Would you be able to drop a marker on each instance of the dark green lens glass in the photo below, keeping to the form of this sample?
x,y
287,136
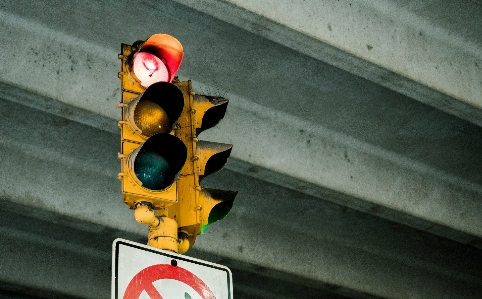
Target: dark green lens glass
x,y
153,170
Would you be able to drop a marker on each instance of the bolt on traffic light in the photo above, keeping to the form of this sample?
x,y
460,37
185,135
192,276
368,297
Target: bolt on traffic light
x,y
162,159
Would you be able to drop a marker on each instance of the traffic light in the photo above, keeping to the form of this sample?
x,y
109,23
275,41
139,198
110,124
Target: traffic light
x,y
162,159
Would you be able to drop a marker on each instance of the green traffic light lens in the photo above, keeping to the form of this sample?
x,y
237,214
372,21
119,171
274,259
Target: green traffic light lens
x,y
203,228
153,170
158,161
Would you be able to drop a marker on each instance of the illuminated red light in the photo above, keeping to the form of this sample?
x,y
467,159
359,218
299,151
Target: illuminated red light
x,y
158,60
149,69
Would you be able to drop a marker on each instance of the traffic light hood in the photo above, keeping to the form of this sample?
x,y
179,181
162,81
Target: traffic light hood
x,y
212,110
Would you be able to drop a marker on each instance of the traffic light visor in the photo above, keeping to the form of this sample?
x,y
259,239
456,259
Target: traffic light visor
x,y
213,156
157,163
158,59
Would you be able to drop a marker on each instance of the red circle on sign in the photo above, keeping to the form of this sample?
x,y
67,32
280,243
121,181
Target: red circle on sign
x,y
143,280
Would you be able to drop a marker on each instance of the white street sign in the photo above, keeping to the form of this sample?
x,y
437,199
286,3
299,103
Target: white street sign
x,y
144,272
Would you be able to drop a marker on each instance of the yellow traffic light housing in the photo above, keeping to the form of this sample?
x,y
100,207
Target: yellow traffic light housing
x,y
162,160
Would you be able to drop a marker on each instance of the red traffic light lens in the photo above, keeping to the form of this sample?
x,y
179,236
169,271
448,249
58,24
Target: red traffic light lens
x,y
149,69
158,59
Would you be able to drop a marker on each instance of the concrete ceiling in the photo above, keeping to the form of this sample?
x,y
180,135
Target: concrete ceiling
x,y
356,129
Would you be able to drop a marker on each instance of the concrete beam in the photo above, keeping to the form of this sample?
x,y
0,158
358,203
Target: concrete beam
x,y
390,163
60,201
309,132
62,172
429,50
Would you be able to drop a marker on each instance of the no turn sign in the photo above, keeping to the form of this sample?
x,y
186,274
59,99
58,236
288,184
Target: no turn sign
x,y
143,272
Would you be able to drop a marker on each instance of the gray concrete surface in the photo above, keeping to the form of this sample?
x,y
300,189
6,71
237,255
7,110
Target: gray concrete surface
x,y
61,210
356,132
406,46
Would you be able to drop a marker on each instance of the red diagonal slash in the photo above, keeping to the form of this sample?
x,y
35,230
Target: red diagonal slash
x,y
143,280
151,291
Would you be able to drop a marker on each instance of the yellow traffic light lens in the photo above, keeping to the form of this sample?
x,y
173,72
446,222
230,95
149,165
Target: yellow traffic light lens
x,y
150,118
149,69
